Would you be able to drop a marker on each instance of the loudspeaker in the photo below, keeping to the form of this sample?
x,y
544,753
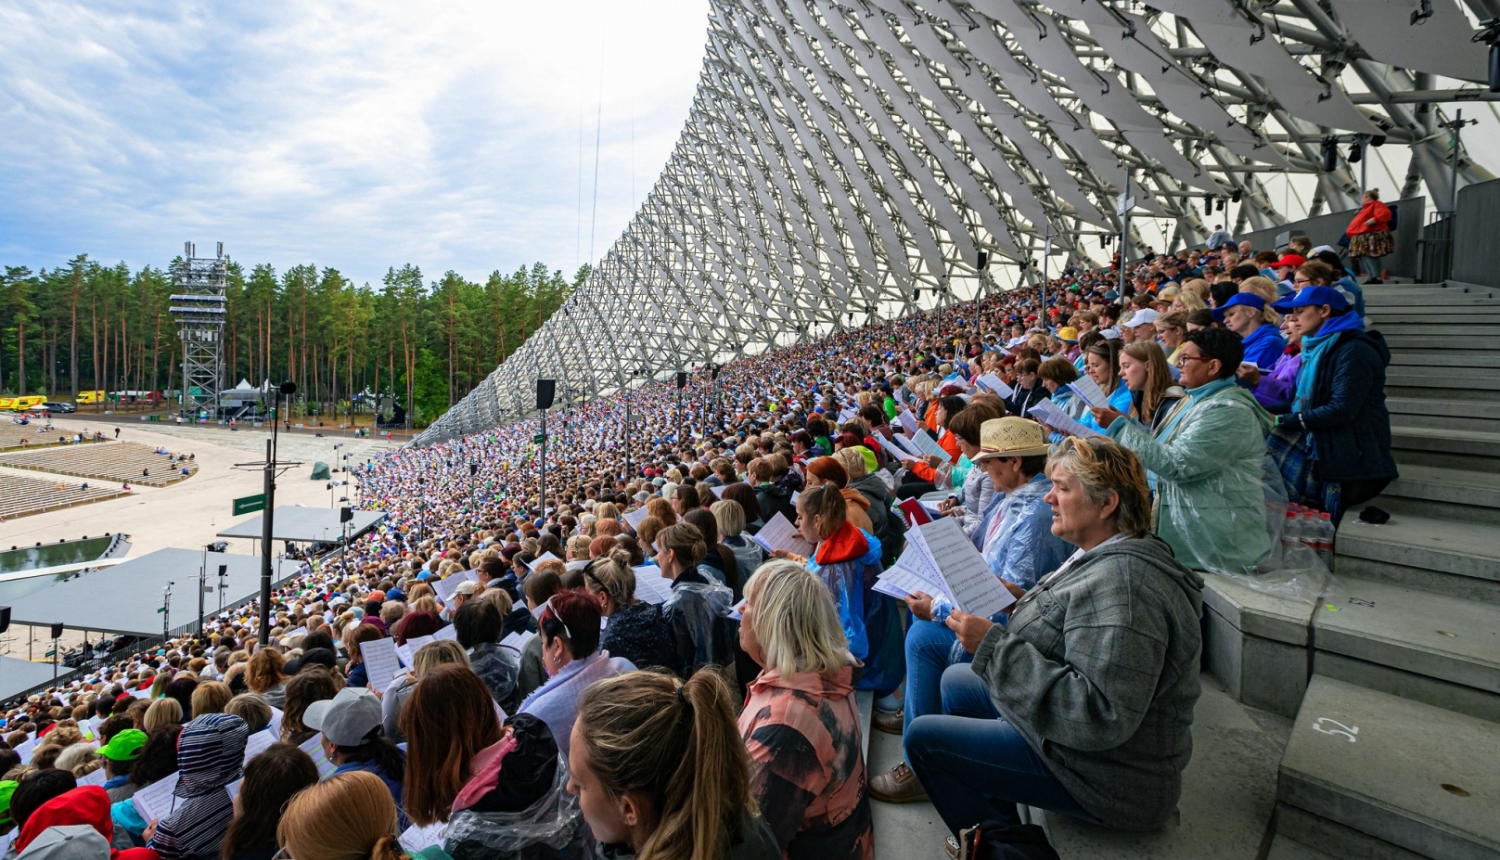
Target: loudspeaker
x,y
681,379
57,630
4,618
346,514
984,259
223,570
546,390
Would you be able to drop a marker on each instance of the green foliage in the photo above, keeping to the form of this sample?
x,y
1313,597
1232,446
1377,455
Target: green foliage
x,y
86,326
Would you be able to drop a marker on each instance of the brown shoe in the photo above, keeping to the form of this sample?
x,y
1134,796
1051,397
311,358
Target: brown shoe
x,y
889,722
898,786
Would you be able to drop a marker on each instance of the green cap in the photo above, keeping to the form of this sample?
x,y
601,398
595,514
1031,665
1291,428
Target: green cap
x,y
125,746
7,788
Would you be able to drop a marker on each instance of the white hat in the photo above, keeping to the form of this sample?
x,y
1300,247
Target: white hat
x,y
1146,316
347,719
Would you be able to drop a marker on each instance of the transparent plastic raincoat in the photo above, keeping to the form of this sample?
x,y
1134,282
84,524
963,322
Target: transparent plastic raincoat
x,y
1208,456
698,613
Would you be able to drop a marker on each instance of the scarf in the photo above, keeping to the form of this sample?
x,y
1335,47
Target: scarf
x,y
1314,347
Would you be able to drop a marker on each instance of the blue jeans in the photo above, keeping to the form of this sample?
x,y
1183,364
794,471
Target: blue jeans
x,y
976,766
930,649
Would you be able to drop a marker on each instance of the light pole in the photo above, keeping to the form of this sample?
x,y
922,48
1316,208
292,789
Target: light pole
x,y
287,388
166,611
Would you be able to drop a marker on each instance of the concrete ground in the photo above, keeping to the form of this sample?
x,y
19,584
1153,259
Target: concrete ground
x,y
187,514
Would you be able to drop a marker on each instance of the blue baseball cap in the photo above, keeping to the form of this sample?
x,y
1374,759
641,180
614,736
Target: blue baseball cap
x,y
1316,296
1241,299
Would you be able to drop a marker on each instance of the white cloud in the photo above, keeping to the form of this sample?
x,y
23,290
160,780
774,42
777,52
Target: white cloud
x,y
358,136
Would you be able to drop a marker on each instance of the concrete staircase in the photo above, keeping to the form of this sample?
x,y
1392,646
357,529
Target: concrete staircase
x,y
1395,746
1373,710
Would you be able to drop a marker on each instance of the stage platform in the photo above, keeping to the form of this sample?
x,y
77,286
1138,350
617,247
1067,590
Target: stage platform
x,y
18,676
298,523
127,598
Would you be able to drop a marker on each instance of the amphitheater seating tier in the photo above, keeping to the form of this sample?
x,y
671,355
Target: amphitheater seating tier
x,y
21,497
111,461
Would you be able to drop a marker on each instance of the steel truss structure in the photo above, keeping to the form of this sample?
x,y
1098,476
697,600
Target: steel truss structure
x,y
200,307
844,159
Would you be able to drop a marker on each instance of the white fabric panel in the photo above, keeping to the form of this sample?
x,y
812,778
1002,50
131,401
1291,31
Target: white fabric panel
x,y
1440,44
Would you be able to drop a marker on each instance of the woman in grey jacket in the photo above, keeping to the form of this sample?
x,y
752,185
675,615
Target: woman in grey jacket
x,y
1083,702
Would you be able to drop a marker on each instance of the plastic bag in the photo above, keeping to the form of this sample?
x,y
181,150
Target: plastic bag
x,y
553,827
704,634
1287,567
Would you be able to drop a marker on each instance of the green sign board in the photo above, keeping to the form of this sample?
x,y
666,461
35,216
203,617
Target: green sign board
x,y
249,504
539,438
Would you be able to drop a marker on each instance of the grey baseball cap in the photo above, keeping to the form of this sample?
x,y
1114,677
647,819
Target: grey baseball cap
x,y
68,842
347,719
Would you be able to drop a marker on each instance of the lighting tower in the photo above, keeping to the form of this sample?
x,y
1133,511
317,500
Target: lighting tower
x,y
199,305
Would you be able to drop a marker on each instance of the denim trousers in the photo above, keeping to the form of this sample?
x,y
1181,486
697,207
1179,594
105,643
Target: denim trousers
x,y
974,765
930,649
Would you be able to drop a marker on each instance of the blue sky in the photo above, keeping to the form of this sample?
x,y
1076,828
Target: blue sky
x,y
357,136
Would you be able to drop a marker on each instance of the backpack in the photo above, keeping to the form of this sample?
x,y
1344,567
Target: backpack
x,y
993,840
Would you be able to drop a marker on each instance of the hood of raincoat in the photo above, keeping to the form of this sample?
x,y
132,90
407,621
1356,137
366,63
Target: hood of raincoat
x,y
88,804
210,752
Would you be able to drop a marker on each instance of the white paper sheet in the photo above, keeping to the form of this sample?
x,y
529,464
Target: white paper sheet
x,y
719,491
257,743
546,556
408,652
233,789
996,384
1089,390
892,448
780,534
908,421
636,517
517,640
650,585
448,632
381,662
155,801
314,748
96,777
1061,421
417,838
929,445
274,726
975,589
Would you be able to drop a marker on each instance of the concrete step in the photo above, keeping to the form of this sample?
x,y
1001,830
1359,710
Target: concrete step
x,y
1477,384
1393,319
1477,356
1256,640
1422,552
1427,299
1417,778
1428,407
1445,447
1228,795
1283,848
1453,495
1400,340
1439,650
1459,330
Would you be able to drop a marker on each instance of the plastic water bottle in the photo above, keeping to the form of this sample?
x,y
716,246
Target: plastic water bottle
x,y
1327,533
1291,532
1308,531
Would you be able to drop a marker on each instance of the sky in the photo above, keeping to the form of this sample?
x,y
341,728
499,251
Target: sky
x,y
358,136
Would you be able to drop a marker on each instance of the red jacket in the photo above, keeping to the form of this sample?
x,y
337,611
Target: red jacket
x,y
88,804
1374,209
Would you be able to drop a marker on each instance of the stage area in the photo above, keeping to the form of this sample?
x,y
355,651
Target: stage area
x,y
311,525
127,598
18,676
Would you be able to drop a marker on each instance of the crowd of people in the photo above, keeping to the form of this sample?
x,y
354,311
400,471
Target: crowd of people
x,y
660,657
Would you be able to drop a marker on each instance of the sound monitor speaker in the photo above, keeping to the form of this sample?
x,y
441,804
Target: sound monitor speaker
x,y
546,390
57,630
346,514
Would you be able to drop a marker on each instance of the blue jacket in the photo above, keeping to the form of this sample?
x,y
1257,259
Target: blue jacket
x,y
1264,346
1341,403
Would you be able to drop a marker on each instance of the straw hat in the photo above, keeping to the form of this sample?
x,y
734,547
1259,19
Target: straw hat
x,y
1011,436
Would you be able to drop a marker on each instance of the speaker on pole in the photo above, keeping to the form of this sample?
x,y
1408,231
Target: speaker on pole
x,y
546,390
4,618
57,630
681,379
346,514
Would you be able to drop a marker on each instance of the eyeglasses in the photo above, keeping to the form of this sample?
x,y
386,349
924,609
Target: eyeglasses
x,y
1182,358
1301,281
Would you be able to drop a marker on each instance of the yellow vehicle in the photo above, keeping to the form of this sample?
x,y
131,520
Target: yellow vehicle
x,y
90,397
21,404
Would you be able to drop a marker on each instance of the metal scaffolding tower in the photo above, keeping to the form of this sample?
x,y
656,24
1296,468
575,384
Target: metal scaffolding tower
x,y
199,305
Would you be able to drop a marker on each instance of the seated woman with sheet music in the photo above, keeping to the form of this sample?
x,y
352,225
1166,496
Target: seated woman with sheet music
x,y
922,475
1083,702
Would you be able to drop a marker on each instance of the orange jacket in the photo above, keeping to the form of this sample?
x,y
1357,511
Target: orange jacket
x,y
1374,209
